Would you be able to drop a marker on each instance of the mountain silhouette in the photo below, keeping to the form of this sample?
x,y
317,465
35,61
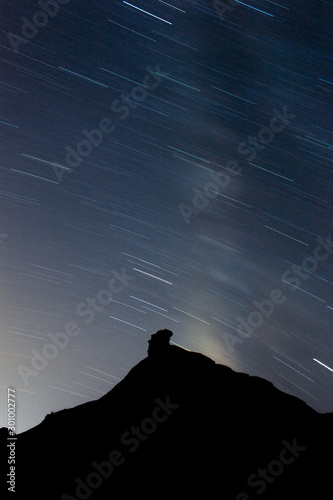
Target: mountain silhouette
x,y
178,425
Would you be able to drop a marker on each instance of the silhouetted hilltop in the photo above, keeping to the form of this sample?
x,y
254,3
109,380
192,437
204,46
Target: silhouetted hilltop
x,y
178,425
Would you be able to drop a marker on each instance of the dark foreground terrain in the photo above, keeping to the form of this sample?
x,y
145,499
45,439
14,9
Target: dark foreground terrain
x,y
178,426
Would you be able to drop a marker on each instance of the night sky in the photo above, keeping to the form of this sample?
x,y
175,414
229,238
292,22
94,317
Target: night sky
x,y
164,165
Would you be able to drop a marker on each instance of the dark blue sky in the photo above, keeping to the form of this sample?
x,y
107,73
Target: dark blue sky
x,y
164,165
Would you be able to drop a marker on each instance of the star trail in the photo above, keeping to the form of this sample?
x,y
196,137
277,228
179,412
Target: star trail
x,y
164,165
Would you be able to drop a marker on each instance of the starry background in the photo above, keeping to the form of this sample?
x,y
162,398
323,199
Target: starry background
x,y
65,228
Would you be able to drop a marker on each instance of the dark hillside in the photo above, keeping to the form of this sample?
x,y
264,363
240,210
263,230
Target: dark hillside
x,y
179,425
